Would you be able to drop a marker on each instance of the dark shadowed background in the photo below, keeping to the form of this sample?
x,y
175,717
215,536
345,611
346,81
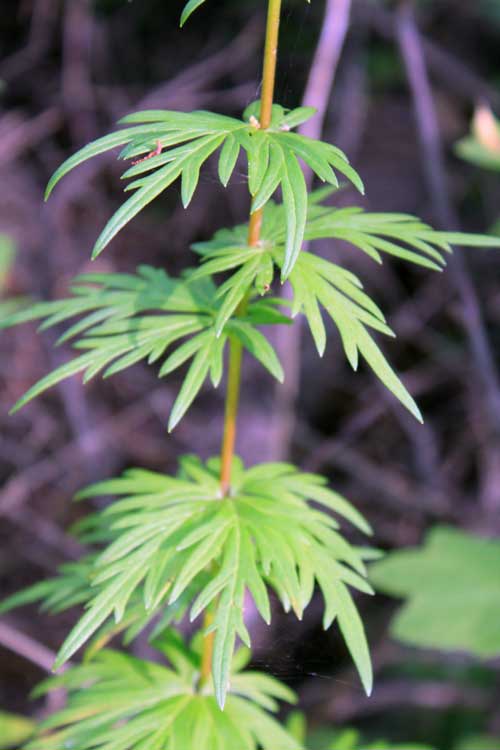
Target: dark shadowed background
x,y
68,70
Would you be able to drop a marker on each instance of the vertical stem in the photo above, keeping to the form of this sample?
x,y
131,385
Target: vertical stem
x,y
232,403
235,350
270,60
254,231
208,650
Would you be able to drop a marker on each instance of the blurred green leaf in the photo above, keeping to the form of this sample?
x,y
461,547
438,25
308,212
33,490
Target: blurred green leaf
x,y
7,253
471,150
452,590
351,739
479,743
14,730
482,146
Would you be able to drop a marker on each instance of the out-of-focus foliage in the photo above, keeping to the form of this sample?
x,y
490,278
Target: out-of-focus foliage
x,y
452,588
490,9
346,739
7,252
482,146
479,743
14,730
7,255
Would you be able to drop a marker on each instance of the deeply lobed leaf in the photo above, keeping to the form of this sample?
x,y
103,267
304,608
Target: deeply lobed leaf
x,y
165,532
321,286
183,142
118,702
124,319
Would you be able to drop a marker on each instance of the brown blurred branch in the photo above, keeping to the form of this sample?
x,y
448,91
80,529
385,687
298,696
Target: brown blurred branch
x,y
76,73
413,55
27,647
324,66
43,22
317,94
92,442
346,706
445,66
18,133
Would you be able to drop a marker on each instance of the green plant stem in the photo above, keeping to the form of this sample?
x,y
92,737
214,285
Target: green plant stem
x,y
270,60
254,232
231,414
235,348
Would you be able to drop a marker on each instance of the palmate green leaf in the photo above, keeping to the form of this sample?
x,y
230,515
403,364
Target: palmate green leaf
x,y
317,282
184,161
281,168
73,586
317,285
167,531
399,235
184,142
123,319
175,145
321,286
118,702
426,577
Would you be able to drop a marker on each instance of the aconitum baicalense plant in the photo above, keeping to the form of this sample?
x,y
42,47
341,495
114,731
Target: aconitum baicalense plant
x,y
195,544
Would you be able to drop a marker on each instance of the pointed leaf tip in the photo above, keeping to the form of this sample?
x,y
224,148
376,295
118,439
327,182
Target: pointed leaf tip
x,y
220,697
189,9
